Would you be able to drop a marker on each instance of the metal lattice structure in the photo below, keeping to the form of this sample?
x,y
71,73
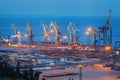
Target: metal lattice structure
x,y
46,31
57,31
103,36
73,33
30,32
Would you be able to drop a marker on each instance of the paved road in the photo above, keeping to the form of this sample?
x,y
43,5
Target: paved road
x,y
96,72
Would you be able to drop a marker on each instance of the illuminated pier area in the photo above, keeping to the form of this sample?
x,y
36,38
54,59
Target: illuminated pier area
x,y
65,58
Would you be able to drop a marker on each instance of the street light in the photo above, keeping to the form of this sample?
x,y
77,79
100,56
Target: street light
x,y
89,29
26,36
65,37
87,33
108,48
28,46
46,34
117,53
51,31
80,66
19,38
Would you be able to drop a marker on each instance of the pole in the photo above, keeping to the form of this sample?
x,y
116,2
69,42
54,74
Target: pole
x,y
46,55
80,73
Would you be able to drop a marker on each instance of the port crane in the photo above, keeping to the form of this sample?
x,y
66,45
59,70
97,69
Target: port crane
x,y
46,31
57,31
103,36
108,30
14,28
16,37
73,33
16,33
30,31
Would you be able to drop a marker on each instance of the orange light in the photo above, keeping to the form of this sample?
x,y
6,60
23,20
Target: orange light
x,y
80,66
51,31
87,33
117,53
18,32
107,48
46,35
64,37
26,35
89,29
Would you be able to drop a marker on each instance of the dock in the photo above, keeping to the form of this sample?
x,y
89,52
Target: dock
x,y
13,49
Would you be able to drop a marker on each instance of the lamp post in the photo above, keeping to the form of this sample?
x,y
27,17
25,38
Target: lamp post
x,y
65,38
90,31
87,33
26,36
19,38
80,66
108,48
117,53
51,31
46,35
27,43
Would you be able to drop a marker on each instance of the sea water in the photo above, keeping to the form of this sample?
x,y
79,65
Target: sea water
x,y
82,23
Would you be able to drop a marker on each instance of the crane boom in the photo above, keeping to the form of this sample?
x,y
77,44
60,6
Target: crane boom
x,y
16,32
73,33
104,33
46,31
29,29
57,31
14,28
109,29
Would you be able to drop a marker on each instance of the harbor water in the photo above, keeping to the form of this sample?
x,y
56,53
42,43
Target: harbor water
x,y
82,23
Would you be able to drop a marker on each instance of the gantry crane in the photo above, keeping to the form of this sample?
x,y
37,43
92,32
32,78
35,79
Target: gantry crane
x,y
30,31
73,33
57,31
103,36
108,30
46,31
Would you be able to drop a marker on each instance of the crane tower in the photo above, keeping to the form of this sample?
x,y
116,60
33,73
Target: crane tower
x,y
73,33
46,31
57,31
103,36
30,31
